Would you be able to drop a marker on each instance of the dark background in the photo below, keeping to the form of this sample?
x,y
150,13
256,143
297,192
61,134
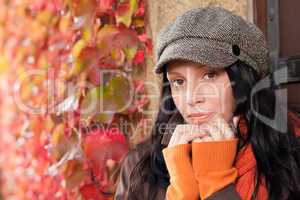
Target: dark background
x,y
280,22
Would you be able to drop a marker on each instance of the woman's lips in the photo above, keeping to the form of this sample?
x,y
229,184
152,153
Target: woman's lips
x,y
200,117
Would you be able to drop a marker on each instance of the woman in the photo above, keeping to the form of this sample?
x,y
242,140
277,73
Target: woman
x,y
214,137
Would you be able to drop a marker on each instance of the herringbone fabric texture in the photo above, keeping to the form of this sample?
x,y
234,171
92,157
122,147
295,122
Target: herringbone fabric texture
x,y
212,36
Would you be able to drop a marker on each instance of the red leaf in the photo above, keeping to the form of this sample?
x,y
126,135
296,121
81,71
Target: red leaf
x,y
141,10
123,8
52,6
94,76
106,5
148,42
90,192
139,57
139,86
101,145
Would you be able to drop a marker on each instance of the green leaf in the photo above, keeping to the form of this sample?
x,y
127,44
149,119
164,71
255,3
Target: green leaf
x,y
90,103
85,55
119,90
107,100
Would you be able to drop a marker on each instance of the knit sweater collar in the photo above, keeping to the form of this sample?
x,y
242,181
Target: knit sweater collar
x,y
245,159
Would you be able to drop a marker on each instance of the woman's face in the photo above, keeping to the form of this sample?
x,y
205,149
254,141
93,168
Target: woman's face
x,y
199,92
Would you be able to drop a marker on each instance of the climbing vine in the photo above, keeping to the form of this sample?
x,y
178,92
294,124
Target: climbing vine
x,y
71,76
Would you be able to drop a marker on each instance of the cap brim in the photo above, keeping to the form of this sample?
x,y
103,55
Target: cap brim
x,y
203,51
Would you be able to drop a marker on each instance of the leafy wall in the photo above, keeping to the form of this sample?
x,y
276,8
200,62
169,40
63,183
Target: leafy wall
x,y
70,77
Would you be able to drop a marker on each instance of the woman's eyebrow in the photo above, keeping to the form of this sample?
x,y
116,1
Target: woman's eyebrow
x,y
176,73
208,69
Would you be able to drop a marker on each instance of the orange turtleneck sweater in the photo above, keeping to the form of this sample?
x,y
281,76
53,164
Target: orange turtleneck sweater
x,y
202,168
210,169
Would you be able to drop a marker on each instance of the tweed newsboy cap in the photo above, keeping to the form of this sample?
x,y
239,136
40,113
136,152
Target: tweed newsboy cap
x,y
212,36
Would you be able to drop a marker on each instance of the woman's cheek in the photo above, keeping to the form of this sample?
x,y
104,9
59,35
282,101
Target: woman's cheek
x,y
226,106
179,100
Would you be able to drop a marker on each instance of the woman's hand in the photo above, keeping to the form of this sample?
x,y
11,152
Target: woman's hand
x,y
188,180
185,133
218,129
215,129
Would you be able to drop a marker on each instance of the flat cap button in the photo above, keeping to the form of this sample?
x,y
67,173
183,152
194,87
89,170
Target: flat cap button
x,y
236,50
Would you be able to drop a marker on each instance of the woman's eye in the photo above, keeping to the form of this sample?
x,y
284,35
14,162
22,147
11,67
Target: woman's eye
x,y
210,75
177,82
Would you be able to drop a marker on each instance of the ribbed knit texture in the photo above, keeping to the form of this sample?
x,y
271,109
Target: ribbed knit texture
x,y
204,175
213,155
211,167
183,184
212,162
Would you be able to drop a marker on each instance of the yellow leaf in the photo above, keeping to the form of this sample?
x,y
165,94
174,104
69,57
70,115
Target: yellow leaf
x,y
4,64
86,34
49,124
138,23
57,134
44,17
130,52
43,62
78,46
76,68
65,22
118,56
77,65
125,16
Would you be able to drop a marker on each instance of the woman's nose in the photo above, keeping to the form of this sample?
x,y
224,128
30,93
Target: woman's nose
x,y
193,96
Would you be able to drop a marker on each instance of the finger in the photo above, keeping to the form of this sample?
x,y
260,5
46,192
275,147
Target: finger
x,y
193,130
203,139
196,135
215,129
197,140
224,128
228,131
185,133
188,129
207,139
215,132
199,129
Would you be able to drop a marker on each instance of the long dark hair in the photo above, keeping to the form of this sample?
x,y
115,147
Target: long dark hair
x,y
276,152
